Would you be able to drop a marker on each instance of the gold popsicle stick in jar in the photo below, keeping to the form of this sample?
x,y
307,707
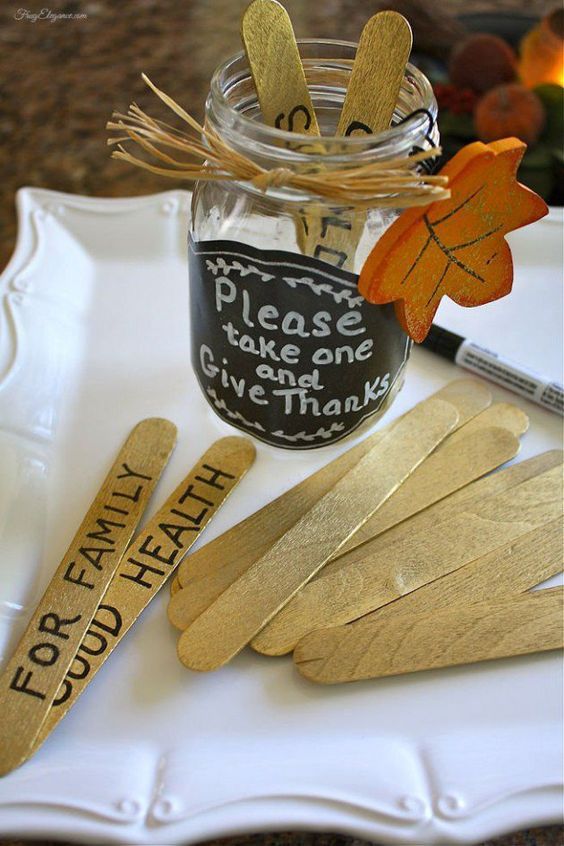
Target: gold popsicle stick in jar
x,y
371,98
278,74
276,68
376,78
377,75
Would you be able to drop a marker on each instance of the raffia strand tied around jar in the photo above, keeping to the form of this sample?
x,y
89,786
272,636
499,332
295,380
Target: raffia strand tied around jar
x,y
392,183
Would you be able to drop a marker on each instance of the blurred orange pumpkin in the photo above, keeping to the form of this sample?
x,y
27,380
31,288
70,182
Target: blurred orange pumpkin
x,y
482,61
542,52
509,110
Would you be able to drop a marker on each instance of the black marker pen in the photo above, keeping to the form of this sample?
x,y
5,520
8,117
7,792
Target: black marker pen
x,y
491,366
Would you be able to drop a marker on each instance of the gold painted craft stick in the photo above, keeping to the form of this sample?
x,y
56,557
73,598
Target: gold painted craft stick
x,y
371,98
149,561
250,602
487,441
417,526
278,74
376,78
501,628
450,469
276,68
210,570
448,507
43,655
470,396
377,75
502,414
515,568
397,569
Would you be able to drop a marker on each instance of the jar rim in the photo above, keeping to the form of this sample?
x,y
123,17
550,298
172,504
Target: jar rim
x,y
236,67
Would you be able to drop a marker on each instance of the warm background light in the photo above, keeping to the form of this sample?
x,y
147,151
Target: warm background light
x,y
542,52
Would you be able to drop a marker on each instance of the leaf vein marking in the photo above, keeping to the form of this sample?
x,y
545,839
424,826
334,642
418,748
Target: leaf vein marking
x,y
439,283
457,209
449,254
416,260
478,239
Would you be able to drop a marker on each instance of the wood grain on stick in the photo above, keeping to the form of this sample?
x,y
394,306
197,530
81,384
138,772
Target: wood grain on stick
x,y
450,469
46,649
205,574
513,568
468,453
371,98
250,602
377,75
503,414
449,507
470,396
276,68
210,570
369,582
497,628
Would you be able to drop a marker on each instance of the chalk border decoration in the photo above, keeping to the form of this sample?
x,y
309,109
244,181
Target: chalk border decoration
x,y
285,348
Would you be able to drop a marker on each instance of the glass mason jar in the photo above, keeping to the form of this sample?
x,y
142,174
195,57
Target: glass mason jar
x,y
283,345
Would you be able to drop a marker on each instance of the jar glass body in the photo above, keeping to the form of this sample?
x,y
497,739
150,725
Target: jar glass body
x,y
322,244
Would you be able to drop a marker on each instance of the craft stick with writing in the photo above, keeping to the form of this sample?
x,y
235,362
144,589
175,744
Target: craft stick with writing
x,y
514,568
210,570
249,603
279,78
487,441
397,569
372,95
150,560
42,657
498,628
205,574
377,75
374,87
276,68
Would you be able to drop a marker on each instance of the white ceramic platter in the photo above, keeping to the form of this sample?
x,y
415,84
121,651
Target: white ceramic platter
x,y
94,337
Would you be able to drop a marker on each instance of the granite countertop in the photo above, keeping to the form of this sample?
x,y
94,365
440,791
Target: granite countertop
x,y
61,80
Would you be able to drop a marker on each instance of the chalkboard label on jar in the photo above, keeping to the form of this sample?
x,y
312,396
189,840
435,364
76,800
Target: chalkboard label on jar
x,y
285,348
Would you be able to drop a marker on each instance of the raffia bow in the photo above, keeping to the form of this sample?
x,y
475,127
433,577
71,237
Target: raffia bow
x,y
206,156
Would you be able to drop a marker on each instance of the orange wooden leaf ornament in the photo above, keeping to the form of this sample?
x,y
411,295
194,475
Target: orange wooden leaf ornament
x,y
454,247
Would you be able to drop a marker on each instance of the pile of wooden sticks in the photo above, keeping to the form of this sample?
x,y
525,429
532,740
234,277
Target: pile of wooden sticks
x,y
405,553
